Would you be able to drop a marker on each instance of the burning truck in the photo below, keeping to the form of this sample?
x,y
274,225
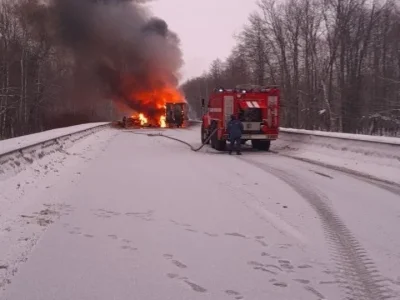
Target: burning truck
x,y
174,115
162,106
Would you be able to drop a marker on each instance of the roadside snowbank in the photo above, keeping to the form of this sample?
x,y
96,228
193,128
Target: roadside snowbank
x,y
40,145
30,139
345,136
377,157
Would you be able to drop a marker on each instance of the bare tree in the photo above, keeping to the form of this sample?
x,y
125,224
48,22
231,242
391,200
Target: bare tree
x,y
37,75
336,62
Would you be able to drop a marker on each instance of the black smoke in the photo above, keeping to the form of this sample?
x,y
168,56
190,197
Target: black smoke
x,y
116,45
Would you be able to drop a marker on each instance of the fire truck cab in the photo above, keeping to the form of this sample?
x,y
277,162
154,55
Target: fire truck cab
x,y
257,108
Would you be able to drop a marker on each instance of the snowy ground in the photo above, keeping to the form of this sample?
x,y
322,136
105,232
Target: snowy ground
x,y
381,160
127,216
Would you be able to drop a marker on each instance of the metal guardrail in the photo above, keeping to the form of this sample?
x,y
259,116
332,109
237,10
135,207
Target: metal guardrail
x,y
194,122
381,148
21,149
393,141
14,161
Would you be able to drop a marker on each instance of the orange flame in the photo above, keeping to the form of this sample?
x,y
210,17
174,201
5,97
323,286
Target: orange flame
x,y
143,119
151,102
156,102
163,122
159,97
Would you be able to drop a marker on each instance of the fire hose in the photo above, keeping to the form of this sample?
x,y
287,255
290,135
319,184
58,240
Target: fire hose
x,y
182,141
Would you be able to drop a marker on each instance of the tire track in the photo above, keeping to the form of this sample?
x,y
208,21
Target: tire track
x,y
387,185
356,273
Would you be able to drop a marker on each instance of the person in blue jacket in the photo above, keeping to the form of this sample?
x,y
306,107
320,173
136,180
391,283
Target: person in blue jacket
x,y
235,130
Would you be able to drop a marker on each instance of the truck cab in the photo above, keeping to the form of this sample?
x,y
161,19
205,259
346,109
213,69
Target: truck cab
x,y
176,114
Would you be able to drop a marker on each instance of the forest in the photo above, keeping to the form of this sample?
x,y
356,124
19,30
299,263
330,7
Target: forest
x,y
337,63
68,62
38,78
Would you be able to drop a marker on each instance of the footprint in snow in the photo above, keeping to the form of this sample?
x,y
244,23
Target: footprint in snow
x,y
236,234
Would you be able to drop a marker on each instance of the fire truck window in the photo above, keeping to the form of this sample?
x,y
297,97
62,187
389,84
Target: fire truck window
x,y
252,115
241,114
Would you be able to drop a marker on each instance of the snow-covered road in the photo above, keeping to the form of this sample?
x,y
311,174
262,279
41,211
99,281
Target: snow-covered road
x,y
126,216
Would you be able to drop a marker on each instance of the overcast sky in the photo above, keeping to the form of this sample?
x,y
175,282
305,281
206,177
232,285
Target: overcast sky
x,y
205,27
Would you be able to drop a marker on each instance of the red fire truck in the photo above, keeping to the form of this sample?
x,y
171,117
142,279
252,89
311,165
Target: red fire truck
x,y
256,107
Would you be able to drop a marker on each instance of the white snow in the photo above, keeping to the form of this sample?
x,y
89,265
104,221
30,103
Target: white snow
x,y
348,136
32,199
374,159
27,140
138,217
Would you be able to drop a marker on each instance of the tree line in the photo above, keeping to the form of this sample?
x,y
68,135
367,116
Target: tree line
x,y
337,63
41,86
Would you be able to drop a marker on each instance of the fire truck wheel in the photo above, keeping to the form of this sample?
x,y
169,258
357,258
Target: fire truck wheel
x,y
217,144
220,145
212,142
214,138
204,135
261,145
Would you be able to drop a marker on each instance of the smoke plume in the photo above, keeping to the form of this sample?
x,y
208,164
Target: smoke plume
x,y
117,46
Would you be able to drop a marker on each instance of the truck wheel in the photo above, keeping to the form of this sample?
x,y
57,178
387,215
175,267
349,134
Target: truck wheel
x,y
203,134
261,145
220,145
217,144
213,140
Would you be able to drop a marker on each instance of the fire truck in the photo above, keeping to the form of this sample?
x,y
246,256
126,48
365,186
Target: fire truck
x,y
256,107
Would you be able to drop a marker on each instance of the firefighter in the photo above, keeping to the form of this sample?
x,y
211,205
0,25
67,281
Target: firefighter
x,y
235,130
